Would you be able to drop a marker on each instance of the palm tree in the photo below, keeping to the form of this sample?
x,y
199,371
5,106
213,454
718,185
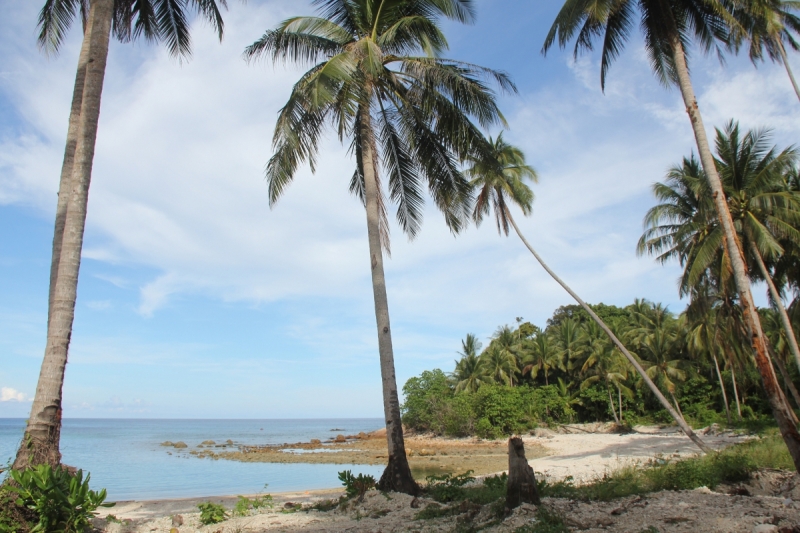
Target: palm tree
x,y
668,26
566,337
768,24
469,373
500,365
508,347
607,365
764,211
659,348
543,355
378,79
503,182
129,19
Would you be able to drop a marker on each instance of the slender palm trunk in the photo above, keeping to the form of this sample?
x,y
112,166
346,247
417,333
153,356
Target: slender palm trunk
x,y
722,388
776,298
785,59
632,360
735,388
677,405
397,476
65,182
772,389
42,435
619,395
787,381
611,404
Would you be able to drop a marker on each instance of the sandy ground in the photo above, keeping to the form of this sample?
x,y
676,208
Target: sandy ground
x,y
769,506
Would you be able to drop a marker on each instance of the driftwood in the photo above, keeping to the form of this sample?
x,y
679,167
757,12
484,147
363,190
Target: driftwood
x,y
521,486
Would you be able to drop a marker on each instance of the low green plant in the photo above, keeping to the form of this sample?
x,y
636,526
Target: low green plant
x,y
447,487
61,501
326,505
211,513
245,505
547,521
356,485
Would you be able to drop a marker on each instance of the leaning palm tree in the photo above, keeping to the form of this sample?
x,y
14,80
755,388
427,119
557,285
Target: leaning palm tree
x,y
156,20
377,78
501,182
767,25
668,27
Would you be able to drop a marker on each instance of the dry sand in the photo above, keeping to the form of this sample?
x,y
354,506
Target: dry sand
x,y
579,454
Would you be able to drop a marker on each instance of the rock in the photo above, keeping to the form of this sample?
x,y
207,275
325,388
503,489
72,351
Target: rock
x,y
174,530
703,490
713,429
207,443
177,520
362,436
180,444
765,528
316,441
167,443
229,441
340,438
426,453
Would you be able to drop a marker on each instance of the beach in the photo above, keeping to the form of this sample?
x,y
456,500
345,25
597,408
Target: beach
x,y
582,452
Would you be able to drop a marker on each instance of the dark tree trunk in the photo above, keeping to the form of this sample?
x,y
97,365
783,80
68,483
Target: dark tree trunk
x,y
521,486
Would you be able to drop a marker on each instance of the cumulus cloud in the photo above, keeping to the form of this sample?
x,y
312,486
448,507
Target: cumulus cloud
x,y
7,394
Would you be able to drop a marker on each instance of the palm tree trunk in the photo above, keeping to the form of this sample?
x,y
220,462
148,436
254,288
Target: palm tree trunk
x,y
40,444
611,404
785,59
619,395
677,406
785,375
65,182
776,297
722,388
397,476
771,387
735,389
632,360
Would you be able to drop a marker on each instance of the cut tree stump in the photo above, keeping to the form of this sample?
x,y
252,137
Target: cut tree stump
x,y
521,486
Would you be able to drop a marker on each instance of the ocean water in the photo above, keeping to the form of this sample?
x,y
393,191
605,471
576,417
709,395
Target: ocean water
x,y
125,457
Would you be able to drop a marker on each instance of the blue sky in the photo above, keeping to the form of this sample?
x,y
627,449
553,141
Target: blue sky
x,y
197,300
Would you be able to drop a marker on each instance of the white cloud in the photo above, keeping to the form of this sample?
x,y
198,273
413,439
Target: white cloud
x,y
7,394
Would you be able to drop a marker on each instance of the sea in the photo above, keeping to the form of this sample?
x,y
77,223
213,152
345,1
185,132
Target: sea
x,y
125,456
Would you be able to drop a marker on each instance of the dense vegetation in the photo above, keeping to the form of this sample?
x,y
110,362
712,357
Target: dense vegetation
x,y
571,372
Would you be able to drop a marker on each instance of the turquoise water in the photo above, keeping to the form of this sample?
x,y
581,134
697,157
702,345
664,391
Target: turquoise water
x,y
126,458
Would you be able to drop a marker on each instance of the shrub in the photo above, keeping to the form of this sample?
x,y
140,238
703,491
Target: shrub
x,y
447,487
244,504
356,485
211,513
60,500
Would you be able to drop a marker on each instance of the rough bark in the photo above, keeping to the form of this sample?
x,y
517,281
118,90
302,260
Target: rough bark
x,y
785,59
772,388
42,434
631,359
722,387
521,487
65,182
776,298
397,476
611,404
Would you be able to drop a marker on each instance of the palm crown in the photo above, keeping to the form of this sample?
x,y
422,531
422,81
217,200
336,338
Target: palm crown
x,y
412,112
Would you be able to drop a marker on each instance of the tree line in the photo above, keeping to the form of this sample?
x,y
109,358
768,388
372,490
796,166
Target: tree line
x,y
414,121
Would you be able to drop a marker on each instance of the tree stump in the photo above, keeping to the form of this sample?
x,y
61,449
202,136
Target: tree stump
x,y
521,486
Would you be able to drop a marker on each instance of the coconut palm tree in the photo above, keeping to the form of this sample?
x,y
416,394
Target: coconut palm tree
x,y
156,20
542,355
767,25
377,78
605,364
469,373
499,365
765,212
668,27
500,182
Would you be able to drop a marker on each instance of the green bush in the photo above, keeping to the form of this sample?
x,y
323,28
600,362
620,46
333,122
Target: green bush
x,y
211,513
356,485
60,500
244,504
447,487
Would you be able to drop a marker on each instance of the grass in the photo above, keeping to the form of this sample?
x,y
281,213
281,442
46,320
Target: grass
x,y
732,465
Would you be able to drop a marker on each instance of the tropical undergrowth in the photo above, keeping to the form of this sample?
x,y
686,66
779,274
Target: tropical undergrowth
x,y
569,372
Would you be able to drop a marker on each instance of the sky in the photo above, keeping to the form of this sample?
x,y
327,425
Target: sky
x,y
198,300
